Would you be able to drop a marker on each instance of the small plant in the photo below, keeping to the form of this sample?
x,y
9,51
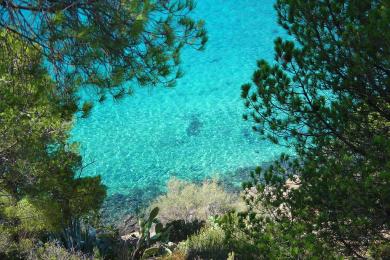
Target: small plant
x,y
78,235
380,251
209,243
53,250
147,243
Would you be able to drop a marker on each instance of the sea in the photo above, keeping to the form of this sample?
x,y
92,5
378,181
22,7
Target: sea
x,y
193,131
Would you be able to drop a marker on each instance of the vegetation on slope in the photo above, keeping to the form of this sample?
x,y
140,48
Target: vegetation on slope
x,y
326,95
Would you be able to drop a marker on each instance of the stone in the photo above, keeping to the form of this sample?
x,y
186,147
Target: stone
x,y
129,225
194,127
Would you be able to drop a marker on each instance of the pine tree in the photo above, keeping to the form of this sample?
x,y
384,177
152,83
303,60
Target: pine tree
x,y
110,44
327,96
40,185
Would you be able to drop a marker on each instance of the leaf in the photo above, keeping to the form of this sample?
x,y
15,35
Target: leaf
x,y
159,228
153,214
150,252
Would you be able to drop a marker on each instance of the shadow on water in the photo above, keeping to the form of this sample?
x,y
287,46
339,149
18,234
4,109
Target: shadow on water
x,y
118,205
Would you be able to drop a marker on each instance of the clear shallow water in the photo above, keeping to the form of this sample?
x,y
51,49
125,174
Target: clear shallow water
x,y
195,130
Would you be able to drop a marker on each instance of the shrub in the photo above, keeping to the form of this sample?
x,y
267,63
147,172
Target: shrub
x,y
7,244
217,242
33,218
181,230
189,202
176,255
53,250
209,243
380,251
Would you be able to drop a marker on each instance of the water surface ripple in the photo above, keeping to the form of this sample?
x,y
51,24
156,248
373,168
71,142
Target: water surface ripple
x,y
196,129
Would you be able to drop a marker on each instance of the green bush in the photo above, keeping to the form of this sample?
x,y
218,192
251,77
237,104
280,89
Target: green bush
x,y
7,244
221,238
209,243
380,251
41,189
181,230
51,251
33,218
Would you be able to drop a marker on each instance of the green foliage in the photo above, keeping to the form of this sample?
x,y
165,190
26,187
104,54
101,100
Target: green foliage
x,y
282,240
51,251
78,235
146,245
209,243
112,45
109,245
40,185
380,251
34,217
181,230
220,238
190,202
326,95
6,242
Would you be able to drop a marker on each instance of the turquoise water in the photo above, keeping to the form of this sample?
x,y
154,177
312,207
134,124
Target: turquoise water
x,y
195,130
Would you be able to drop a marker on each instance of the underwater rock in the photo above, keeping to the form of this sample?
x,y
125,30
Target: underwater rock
x,y
246,133
232,180
249,136
194,127
215,60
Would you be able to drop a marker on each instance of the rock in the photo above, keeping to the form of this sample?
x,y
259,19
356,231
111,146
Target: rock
x,y
128,226
171,245
249,135
131,237
194,127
